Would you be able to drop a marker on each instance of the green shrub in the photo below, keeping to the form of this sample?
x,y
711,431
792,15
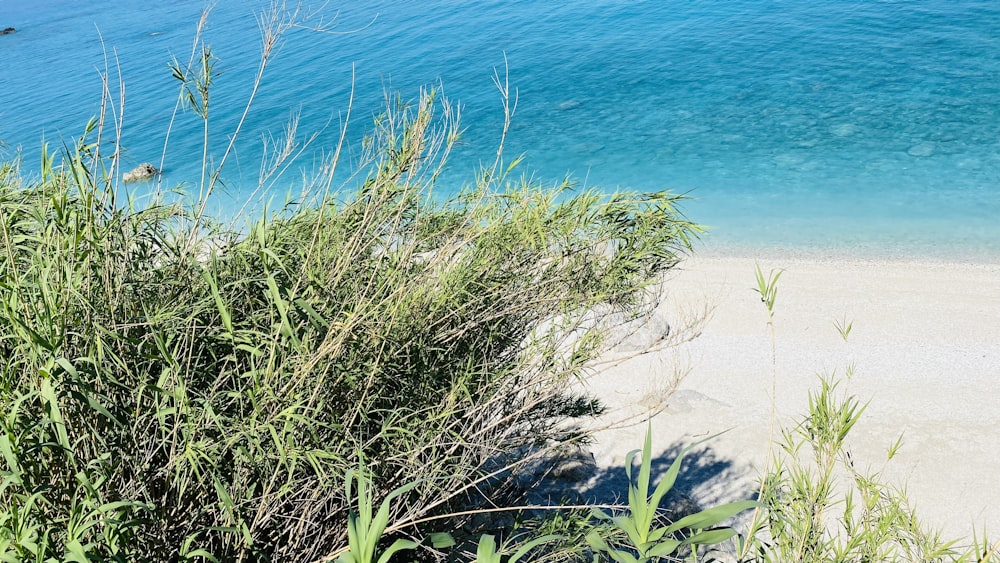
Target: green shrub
x,y
818,506
821,507
175,390
647,539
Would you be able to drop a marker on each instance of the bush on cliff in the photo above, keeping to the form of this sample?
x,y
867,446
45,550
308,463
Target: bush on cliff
x,y
172,391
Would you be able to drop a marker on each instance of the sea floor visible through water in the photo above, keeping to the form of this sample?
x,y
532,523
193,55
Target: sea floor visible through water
x,y
830,126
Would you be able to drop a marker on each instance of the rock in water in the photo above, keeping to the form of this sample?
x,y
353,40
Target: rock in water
x,y
144,171
925,148
7,31
843,129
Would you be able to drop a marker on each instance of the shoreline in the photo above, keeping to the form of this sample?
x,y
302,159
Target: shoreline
x,y
925,346
944,254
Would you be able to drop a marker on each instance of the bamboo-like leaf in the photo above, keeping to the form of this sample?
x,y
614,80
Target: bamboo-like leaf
x,y
398,545
630,524
92,401
710,537
669,478
220,305
227,504
622,556
441,540
711,517
315,318
526,548
663,548
486,550
645,468
657,534
68,367
355,540
75,552
202,554
596,542
48,394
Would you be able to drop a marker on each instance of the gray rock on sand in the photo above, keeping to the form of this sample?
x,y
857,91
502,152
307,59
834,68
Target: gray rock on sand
x,y
144,171
568,464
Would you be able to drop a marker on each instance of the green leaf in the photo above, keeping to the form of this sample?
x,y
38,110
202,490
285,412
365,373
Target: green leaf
x,y
13,464
712,516
710,537
96,405
646,465
486,551
527,547
220,305
203,554
596,542
669,478
76,552
622,556
398,545
441,540
630,525
48,394
317,321
663,548
353,537
657,534
68,367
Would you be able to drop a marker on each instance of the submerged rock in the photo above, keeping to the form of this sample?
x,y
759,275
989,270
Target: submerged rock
x,y
144,171
586,148
925,148
7,31
843,129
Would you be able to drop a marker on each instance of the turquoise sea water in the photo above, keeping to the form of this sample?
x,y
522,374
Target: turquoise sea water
x,y
827,126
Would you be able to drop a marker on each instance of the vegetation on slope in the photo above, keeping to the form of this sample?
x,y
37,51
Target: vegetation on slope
x,y
172,388
209,398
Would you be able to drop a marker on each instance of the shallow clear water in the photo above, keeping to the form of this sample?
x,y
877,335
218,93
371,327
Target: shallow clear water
x,y
860,126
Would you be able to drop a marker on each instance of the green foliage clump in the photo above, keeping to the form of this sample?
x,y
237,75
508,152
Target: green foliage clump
x,y
171,392
821,507
646,539
817,505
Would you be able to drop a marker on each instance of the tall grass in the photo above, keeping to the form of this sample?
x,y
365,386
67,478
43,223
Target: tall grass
x,y
819,503
648,539
174,389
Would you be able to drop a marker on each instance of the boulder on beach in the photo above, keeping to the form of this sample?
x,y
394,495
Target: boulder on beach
x,y
144,171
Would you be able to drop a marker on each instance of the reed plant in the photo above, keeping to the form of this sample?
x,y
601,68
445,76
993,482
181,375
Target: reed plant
x,y
647,537
632,533
173,388
177,387
819,503
823,506
208,400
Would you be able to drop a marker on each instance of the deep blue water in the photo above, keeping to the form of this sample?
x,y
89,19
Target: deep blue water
x,y
845,125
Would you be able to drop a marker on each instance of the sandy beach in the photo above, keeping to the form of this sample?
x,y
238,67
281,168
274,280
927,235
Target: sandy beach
x,y
925,343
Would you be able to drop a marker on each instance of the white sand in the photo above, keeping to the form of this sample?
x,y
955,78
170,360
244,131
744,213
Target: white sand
x,y
926,346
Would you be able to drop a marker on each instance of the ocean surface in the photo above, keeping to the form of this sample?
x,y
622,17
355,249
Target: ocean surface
x,y
828,126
